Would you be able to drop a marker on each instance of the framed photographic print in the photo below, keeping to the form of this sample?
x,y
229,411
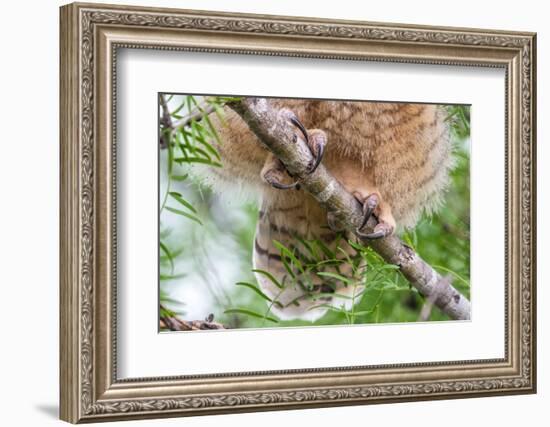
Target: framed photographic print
x,y
267,212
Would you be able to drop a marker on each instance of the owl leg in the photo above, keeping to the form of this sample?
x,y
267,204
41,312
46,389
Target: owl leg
x,y
274,173
374,205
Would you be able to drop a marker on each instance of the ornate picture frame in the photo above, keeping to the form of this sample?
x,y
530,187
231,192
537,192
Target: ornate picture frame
x,y
90,37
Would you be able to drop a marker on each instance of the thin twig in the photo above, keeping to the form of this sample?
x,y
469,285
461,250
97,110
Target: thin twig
x,y
175,324
166,122
204,109
275,134
196,114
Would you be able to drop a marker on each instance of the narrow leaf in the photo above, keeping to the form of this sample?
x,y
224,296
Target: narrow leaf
x,y
250,313
269,276
336,276
286,252
259,292
179,198
182,213
172,276
166,251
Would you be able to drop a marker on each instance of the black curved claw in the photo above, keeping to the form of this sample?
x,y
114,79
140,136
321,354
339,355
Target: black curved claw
x,y
371,236
279,186
369,205
317,148
300,126
382,229
318,158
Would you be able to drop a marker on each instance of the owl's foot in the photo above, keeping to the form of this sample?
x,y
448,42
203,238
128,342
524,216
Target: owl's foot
x,y
374,206
274,174
315,139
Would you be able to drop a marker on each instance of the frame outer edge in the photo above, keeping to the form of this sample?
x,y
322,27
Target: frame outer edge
x,y
69,398
77,254
533,218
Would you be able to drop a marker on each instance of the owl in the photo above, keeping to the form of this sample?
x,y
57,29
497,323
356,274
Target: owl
x,y
395,158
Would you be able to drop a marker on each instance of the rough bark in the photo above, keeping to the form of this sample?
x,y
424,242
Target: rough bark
x,y
275,132
176,324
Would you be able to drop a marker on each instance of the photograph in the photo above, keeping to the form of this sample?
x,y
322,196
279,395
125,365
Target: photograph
x,y
242,245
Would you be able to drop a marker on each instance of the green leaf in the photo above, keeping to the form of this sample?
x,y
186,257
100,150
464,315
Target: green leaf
x,y
210,126
346,255
166,299
177,110
182,213
164,312
190,100
286,252
219,111
172,276
329,262
364,312
388,267
187,143
288,268
180,177
166,251
174,252
226,99
170,157
259,292
316,296
210,148
197,135
328,253
198,160
269,276
336,276
357,246
327,306
203,153
249,313
308,247
179,198
458,276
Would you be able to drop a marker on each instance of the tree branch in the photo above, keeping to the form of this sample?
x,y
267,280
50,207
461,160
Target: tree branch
x,y
166,121
196,114
176,324
276,135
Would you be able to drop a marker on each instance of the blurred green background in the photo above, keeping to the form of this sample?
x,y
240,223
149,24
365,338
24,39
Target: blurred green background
x,y
206,239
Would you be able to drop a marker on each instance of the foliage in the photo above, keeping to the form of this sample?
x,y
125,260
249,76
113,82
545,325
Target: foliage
x,y
208,229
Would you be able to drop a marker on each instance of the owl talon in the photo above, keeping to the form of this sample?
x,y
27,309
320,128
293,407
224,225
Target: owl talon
x,y
279,186
315,140
382,229
369,204
294,120
371,207
317,144
272,178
